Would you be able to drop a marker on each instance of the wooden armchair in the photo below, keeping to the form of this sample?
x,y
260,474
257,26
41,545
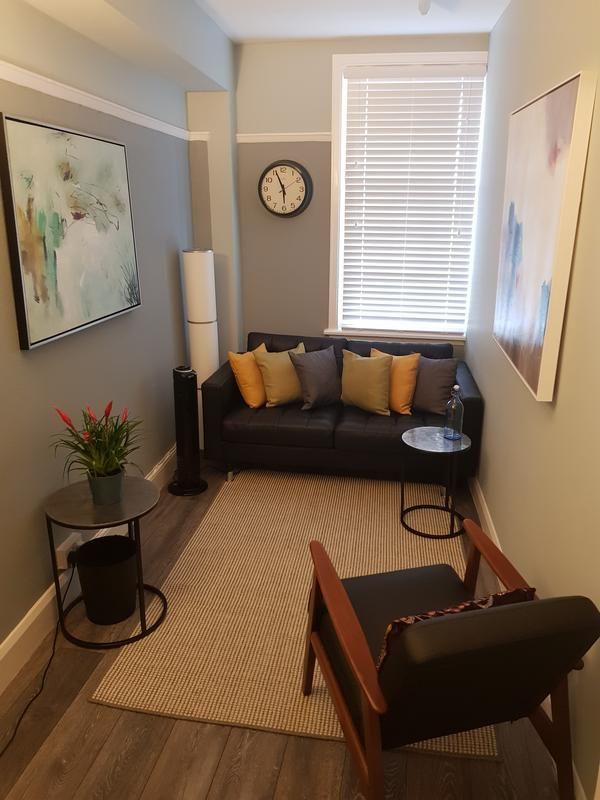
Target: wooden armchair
x,y
445,674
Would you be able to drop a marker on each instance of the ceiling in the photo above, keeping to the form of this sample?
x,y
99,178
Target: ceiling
x,y
246,20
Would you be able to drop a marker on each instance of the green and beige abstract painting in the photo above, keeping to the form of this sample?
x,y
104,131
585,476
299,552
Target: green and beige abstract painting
x,y
74,228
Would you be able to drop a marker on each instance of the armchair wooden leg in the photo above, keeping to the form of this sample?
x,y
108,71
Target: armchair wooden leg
x,y
308,670
562,730
374,755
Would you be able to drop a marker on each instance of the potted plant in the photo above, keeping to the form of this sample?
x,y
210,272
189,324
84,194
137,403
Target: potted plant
x,y
100,449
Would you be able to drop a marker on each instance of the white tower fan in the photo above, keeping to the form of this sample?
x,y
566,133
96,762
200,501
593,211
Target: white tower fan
x,y
198,268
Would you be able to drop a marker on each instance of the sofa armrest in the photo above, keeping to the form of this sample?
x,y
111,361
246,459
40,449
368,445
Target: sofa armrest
x,y
219,395
473,403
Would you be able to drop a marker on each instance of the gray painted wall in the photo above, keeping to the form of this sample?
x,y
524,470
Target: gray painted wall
x,y
539,466
127,359
285,87
285,262
37,42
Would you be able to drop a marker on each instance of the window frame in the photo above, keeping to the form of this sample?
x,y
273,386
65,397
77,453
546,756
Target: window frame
x,y
340,65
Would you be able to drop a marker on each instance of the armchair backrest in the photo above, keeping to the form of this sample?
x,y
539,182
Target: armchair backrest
x,y
482,667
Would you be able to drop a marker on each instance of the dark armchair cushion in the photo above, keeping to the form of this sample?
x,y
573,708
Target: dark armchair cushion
x,y
398,626
378,598
464,671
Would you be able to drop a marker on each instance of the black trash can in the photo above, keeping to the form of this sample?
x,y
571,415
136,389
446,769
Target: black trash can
x,y
108,578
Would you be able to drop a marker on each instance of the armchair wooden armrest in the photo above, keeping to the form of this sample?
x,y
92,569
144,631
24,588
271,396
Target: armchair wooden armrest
x,y
328,591
482,545
329,594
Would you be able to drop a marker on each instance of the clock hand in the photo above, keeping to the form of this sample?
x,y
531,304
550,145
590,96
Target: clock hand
x,y
282,190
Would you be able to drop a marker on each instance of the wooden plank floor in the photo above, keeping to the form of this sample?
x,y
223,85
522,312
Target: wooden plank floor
x,y
70,749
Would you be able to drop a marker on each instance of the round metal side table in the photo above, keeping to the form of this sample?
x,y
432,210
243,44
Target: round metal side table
x,y
72,507
432,441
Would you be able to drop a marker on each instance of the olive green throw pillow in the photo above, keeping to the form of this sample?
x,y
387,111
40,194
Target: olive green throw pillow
x,y
366,382
282,384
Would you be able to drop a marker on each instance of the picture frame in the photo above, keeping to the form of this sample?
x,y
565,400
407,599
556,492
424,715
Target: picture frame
x,y
546,160
69,221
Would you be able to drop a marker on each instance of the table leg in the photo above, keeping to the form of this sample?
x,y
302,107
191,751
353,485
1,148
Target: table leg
x,y
130,530
447,488
452,491
140,574
402,470
55,575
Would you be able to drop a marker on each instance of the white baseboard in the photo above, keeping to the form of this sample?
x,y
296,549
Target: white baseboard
x,y
23,640
579,790
487,523
161,472
485,518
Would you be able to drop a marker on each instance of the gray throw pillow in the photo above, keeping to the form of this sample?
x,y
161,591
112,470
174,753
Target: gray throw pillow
x,y
435,379
319,378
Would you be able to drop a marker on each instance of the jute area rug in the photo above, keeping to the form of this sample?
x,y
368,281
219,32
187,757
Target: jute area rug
x,y
230,650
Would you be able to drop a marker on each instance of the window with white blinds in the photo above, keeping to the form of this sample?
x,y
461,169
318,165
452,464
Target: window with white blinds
x,y
407,166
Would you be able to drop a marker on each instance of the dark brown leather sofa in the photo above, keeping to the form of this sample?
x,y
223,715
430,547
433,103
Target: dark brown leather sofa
x,y
336,438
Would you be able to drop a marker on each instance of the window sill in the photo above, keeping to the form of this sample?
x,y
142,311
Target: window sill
x,y
382,335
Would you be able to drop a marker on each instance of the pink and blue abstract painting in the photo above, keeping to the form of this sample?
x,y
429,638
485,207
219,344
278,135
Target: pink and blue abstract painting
x,y
540,138
70,229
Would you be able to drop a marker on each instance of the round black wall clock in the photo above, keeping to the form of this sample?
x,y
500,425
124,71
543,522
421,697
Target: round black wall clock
x,y
285,188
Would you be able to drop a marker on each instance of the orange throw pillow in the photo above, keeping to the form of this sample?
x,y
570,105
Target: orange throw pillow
x,y
403,380
248,377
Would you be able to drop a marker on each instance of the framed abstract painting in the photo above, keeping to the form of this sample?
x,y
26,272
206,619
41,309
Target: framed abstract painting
x,y
547,151
70,229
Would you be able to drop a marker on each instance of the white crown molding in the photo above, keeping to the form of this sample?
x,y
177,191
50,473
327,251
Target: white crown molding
x,y
199,136
307,136
39,83
24,639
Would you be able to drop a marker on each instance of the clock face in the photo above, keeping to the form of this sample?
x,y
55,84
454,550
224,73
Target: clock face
x,y
285,188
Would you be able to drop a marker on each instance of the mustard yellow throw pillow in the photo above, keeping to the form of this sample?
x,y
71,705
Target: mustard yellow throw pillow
x,y
247,376
403,380
366,382
280,379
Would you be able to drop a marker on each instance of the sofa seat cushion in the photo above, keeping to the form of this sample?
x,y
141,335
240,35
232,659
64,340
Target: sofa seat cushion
x,y
360,430
287,426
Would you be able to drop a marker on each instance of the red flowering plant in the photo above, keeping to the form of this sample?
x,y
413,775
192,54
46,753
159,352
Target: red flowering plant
x,y
102,446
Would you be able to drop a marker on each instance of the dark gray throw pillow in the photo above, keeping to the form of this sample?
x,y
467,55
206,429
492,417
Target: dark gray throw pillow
x,y
435,379
319,378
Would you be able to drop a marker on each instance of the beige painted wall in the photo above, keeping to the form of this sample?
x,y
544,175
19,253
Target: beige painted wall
x,y
539,468
128,359
200,189
214,112
286,86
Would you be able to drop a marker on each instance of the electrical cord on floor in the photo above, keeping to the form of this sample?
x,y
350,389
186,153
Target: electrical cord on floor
x,y
41,689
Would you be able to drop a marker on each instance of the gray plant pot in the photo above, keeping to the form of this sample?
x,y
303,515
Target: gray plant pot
x,y
106,490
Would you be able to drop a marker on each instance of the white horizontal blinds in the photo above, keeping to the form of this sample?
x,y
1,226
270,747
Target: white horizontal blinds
x,y
410,148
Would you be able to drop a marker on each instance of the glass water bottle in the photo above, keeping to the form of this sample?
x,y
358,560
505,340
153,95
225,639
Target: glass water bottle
x,y
454,415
